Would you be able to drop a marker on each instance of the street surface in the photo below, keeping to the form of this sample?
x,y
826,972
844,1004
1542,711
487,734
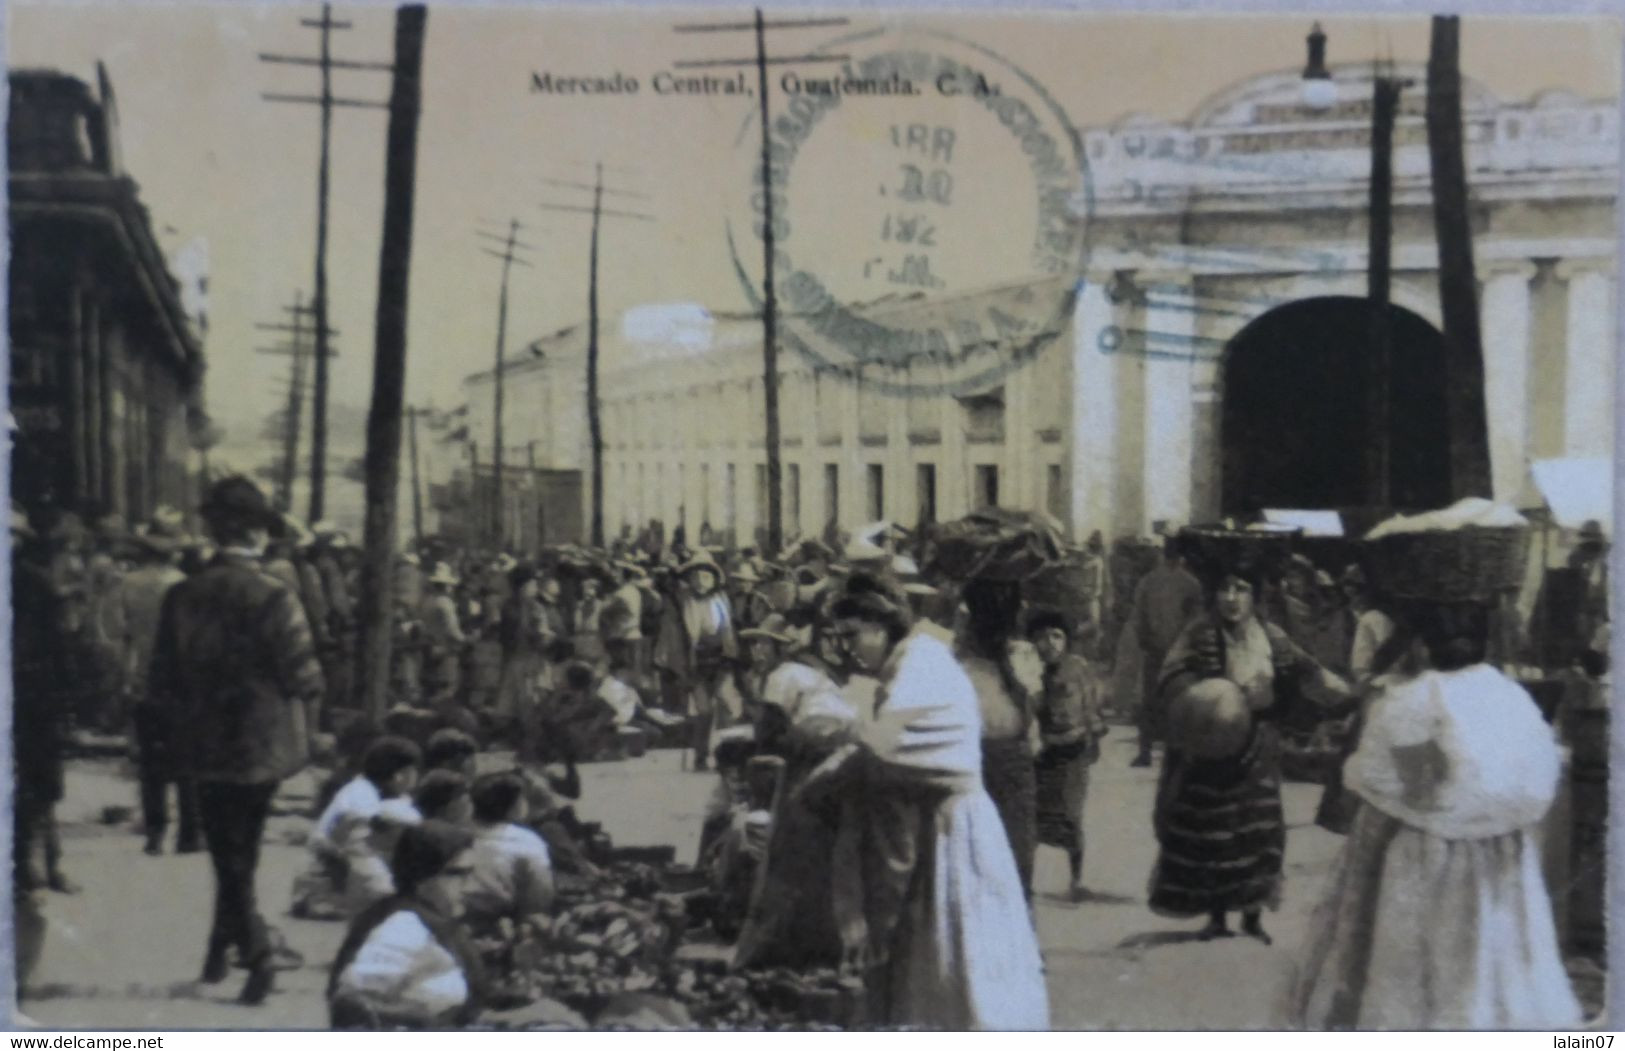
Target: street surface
x,y
124,952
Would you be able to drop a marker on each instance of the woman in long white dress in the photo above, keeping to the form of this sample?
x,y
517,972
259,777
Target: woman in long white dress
x,y
1437,916
948,943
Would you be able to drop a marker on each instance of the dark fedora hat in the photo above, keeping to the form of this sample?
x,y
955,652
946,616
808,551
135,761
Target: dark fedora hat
x,y
238,499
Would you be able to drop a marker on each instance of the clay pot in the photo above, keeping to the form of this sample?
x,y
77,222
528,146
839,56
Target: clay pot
x,y
1210,720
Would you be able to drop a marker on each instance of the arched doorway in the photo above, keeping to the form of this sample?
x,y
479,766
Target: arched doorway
x,y
1294,412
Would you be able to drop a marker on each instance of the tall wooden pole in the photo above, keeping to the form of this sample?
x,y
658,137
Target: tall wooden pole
x,y
296,407
417,488
318,423
770,311
595,427
496,403
1458,294
1384,109
389,362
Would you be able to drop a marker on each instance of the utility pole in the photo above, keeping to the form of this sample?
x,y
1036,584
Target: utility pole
x,y
595,427
326,63
294,349
297,331
383,460
770,351
535,536
1458,294
1379,446
510,244
412,415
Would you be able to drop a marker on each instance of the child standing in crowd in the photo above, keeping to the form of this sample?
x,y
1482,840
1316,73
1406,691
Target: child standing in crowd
x,y
511,872
357,832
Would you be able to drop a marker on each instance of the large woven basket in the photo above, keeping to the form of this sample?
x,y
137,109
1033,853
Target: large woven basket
x,y
1213,548
1065,587
1464,565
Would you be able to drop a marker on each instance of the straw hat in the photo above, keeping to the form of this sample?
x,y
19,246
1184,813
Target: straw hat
x,y
443,575
701,559
773,626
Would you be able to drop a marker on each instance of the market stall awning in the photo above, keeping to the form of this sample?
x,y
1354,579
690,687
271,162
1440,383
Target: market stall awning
x,y
1577,489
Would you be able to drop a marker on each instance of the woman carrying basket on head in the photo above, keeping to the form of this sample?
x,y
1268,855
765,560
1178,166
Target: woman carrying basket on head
x,y
1437,915
1218,821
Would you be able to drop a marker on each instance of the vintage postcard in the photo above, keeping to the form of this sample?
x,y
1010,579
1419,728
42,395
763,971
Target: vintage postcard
x,y
531,517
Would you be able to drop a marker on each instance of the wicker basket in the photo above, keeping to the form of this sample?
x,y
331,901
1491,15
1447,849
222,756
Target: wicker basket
x,y
1211,548
1462,565
1064,586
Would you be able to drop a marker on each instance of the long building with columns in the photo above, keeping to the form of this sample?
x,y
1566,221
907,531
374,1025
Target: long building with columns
x,y
1216,362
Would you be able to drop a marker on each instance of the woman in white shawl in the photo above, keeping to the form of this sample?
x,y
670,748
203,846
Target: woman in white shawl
x,y
933,902
1437,916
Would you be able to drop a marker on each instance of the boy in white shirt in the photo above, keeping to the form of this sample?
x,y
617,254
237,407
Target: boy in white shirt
x,y
511,871
357,833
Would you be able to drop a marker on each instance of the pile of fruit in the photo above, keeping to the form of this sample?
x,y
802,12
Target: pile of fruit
x,y
616,933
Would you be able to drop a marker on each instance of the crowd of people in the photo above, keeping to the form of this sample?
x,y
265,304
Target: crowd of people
x,y
892,748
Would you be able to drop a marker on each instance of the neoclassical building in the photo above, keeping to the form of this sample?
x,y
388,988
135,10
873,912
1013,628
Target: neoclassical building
x,y
1216,359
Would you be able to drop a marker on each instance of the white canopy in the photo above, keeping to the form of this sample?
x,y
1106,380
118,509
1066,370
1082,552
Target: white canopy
x,y
1311,523
1577,489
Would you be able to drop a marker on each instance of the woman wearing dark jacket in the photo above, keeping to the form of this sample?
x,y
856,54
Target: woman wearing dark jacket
x,y
406,962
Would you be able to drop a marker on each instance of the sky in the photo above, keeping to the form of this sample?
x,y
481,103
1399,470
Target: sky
x,y
215,161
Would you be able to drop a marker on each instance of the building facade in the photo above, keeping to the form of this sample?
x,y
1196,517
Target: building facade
x,y
106,367
545,450
1217,360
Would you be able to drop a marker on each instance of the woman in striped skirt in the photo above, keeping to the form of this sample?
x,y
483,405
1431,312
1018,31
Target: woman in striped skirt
x,y
1218,821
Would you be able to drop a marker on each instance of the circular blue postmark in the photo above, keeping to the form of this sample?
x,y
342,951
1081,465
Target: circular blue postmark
x,y
930,211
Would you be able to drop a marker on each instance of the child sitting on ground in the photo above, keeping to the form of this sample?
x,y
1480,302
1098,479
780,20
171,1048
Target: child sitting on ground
x,y
512,872
451,749
442,795
406,961
357,832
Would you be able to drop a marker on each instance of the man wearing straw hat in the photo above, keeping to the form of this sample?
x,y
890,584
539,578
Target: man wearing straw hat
x,y
697,648
443,638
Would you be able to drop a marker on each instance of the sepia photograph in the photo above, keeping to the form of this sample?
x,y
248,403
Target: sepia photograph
x,y
531,517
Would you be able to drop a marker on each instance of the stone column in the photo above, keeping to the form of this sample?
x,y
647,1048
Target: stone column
x,y
1169,346
899,496
1588,404
1506,329
953,485
1097,343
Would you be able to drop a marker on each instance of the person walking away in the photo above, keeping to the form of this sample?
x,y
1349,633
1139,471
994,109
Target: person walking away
x,y
992,658
1436,915
1071,726
1165,600
927,893
698,647
235,662
144,591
